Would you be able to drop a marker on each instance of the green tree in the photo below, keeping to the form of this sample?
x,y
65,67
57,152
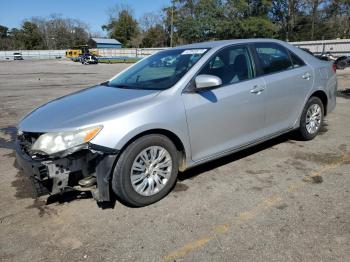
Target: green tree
x,y
287,15
198,20
123,27
3,31
336,19
155,37
249,19
6,41
202,20
30,36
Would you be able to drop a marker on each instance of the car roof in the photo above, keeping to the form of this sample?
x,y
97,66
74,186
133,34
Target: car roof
x,y
221,43
310,59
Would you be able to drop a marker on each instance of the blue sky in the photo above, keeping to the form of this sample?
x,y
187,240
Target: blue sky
x,y
92,12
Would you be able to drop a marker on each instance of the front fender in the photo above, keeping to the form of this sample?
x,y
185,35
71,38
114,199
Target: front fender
x,y
181,134
118,132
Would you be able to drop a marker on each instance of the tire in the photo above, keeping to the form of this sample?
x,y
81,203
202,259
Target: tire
x,y
124,171
341,64
305,132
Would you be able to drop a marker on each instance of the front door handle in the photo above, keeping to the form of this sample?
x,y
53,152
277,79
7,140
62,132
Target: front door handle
x,y
257,90
307,76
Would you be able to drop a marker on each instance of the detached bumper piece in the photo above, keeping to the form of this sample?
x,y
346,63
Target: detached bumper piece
x,y
88,169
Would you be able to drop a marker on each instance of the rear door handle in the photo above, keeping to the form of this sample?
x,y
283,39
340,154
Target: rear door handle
x,y
257,90
307,76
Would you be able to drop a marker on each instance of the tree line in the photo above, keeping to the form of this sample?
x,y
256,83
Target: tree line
x,y
188,21
37,33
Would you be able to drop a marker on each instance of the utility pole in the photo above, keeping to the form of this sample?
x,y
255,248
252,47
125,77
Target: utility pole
x,y
172,25
314,13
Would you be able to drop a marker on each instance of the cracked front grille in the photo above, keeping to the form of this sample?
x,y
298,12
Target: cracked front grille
x,y
26,140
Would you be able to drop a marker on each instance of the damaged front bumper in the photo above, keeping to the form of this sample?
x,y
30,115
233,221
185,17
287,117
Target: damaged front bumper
x,y
59,174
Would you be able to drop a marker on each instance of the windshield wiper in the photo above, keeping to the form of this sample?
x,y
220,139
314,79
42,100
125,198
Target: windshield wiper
x,y
124,86
105,83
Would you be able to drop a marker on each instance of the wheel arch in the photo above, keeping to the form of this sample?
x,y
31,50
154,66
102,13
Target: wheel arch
x,y
171,136
323,96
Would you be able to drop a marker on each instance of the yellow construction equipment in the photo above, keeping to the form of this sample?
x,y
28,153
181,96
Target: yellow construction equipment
x,y
76,51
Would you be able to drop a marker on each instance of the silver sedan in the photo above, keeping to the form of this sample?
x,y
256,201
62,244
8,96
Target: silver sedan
x,y
171,111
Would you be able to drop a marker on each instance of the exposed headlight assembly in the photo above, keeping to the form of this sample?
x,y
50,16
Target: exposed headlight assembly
x,y
51,143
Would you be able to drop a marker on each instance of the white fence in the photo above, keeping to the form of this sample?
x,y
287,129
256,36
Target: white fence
x,y
33,54
54,54
127,52
337,47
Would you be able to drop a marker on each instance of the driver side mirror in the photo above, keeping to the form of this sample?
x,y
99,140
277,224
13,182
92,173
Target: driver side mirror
x,y
207,81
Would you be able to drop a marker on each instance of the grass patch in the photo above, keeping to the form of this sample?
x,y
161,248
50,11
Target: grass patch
x,y
114,61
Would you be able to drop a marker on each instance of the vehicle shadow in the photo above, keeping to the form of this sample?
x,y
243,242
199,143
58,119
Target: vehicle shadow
x,y
344,93
189,174
193,172
70,196
67,197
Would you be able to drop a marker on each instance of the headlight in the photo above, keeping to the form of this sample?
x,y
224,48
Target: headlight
x,y
51,143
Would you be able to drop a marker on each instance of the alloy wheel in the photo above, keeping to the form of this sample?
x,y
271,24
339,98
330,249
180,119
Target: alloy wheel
x,y
151,170
313,118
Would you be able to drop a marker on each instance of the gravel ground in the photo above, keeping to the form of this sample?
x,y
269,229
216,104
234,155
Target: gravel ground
x,y
283,200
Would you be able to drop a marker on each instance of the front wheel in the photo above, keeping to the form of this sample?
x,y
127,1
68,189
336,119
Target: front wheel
x,y
146,170
311,119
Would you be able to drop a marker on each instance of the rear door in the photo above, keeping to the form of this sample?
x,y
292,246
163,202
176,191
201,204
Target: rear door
x,y
288,79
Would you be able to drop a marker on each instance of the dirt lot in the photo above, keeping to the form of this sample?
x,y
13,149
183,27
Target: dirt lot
x,y
283,200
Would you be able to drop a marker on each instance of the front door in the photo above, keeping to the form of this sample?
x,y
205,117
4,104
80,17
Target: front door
x,y
231,115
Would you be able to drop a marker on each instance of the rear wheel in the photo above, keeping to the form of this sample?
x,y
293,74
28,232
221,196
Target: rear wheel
x,y
146,170
311,119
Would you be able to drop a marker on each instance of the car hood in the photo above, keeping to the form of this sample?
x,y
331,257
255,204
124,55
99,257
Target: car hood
x,y
90,106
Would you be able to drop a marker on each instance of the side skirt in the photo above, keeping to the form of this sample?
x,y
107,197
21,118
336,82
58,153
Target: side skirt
x,y
238,148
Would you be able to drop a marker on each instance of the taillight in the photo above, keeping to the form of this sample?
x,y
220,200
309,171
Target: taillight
x,y
334,66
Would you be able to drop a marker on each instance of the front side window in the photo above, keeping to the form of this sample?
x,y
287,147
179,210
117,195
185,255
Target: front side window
x,y
159,71
273,57
231,65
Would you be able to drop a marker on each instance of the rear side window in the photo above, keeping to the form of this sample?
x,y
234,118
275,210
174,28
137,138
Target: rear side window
x,y
273,57
296,60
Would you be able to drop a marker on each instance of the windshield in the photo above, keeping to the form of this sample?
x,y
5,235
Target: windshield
x,y
159,71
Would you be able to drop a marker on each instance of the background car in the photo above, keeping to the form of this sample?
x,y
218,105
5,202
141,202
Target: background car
x,y
340,62
17,56
87,59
